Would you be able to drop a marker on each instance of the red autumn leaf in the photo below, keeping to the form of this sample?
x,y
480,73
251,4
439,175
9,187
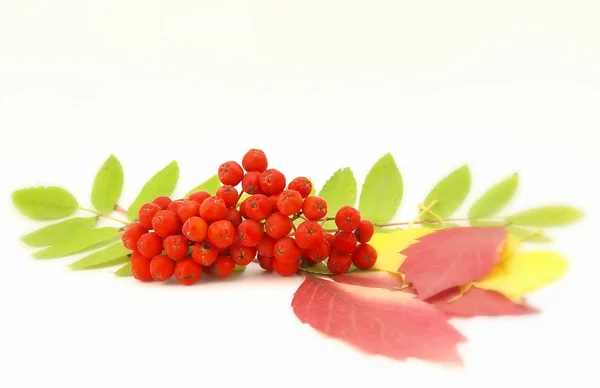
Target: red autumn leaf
x,y
451,257
373,279
477,302
377,321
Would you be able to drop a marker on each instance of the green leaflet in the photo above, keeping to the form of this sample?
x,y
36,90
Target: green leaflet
x,y
45,203
91,238
439,225
496,198
239,269
59,231
161,183
111,255
338,191
108,185
486,223
381,192
211,185
528,235
317,269
124,271
450,193
313,190
547,216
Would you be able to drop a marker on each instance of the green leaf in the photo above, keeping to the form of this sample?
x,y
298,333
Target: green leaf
x,y
108,185
239,269
487,223
161,183
124,271
450,193
381,192
111,255
88,239
317,269
496,198
313,190
59,231
547,216
439,225
529,235
210,185
45,203
338,191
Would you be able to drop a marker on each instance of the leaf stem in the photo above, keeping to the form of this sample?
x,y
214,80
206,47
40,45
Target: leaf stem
x,y
98,214
434,221
121,210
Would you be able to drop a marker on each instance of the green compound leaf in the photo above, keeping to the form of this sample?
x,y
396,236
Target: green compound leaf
x,y
108,185
161,183
338,191
547,216
210,185
381,192
112,255
124,271
439,225
45,202
59,232
91,238
495,199
528,235
486,223
450,193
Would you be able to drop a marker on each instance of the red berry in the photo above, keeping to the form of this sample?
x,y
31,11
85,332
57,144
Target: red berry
x,y
364,231
301,185
166,223
266,262
251,183
255,160
286,250
140,267
230,173
274,200
221,234
199,196
187,210
132,234
187,272
222,267
319,254
347,218
309,235
289,202
339,262
258,207
287,268
150,245
242,255
213,209
176,246
195,229
234,216
272,181
243,208
265,246
229,195
330,238
175,205
345,242
204,254
314,208
278,226
364,256
250,233
146,213
161,268
163,201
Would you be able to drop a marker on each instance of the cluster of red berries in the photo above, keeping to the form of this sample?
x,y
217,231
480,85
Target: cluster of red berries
x,y
213,233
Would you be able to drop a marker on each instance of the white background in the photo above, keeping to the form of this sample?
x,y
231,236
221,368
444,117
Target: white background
x,y
504,86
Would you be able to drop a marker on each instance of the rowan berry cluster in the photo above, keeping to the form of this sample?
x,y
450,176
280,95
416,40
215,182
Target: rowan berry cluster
x,y
278,226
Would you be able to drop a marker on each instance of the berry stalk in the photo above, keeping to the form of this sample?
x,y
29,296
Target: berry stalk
x,y
100,215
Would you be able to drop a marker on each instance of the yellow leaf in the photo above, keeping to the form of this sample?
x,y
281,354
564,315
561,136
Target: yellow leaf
x,y
511,246
524,272
389,246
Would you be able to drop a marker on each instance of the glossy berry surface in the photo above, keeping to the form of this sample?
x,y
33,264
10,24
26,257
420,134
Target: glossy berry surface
x,y
195,229
230,173
204,253
132,234
229,195
166,223
199,196
255,160
289,202
278,226
150,244
223,267
301,185
286,250
251,183
285,268
163,201
221,234
250,233
309,235
176,246
146,213
347,218
140,267
272,181
314,208
162,268
187,272
364,232
213,209
364,256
